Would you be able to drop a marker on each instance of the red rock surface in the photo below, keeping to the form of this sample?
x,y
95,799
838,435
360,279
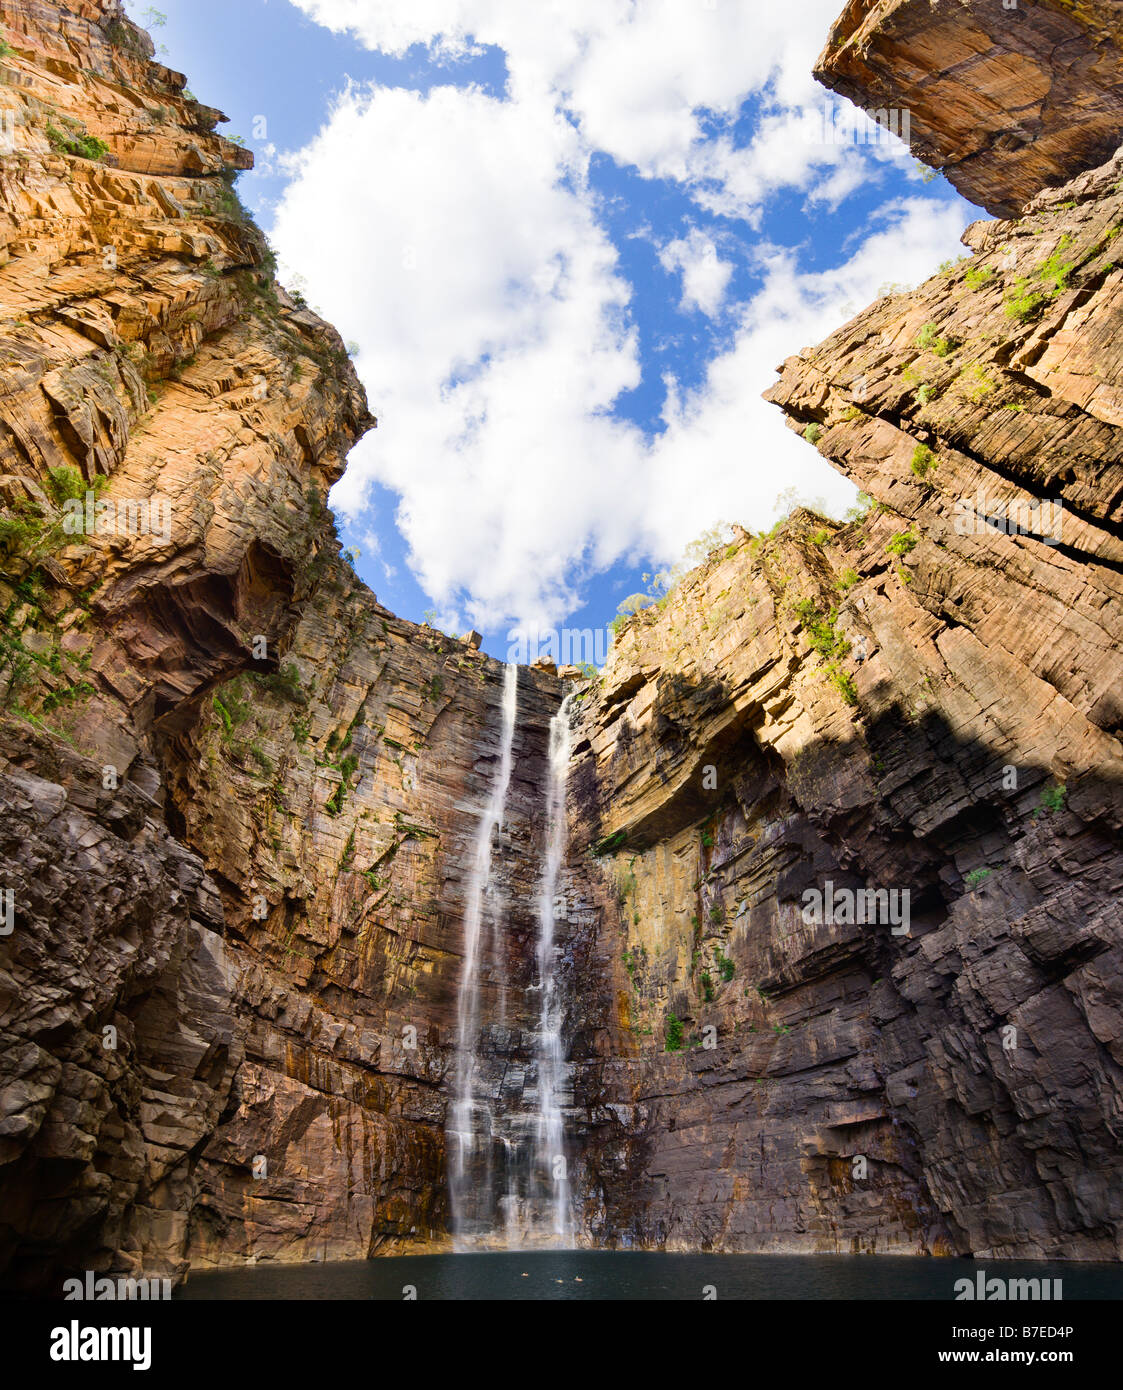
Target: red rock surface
x,y
265,898
1005,100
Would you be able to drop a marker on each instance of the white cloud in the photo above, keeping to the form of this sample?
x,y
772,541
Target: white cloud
x,y
453,237
638,77
705,276
726,452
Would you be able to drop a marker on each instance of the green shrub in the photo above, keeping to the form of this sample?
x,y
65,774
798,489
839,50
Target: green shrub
x,y
923,461
25,531
931,340
67,484
903,543
1052,798
978,276
286,683
262,759
974,383
829,643
67,695
820,628
123,35
862,508
229,204
843,682
82,145
1022,301
975,877
1054,272
348,851
672,1034
813,433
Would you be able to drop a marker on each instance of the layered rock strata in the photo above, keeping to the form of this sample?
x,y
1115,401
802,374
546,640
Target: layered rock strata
x,y
237,793
924,701
1004,98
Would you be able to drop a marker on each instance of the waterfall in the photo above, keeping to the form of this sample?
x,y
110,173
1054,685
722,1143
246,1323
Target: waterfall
x,y
508,1183
466,1116
550,1156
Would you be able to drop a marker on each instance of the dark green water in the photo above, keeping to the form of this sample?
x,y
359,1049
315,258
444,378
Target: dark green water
x,y
583,1274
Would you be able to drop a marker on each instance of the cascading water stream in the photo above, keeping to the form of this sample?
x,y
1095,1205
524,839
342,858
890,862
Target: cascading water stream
x,y
550,1156
508,1178
467,1109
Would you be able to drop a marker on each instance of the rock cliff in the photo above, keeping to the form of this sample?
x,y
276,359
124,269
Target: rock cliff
x,y
238,797
923,702
237,793
1006,98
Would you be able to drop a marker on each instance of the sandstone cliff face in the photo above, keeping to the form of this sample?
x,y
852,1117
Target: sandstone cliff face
x,y
336,807
235,897
238,797
915,701
1005,99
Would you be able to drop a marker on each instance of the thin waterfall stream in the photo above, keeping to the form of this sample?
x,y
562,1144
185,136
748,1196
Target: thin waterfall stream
x,y
551,1157
508,1168
469,1109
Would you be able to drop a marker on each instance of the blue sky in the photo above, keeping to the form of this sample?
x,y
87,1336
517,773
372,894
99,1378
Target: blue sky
x,y
572,241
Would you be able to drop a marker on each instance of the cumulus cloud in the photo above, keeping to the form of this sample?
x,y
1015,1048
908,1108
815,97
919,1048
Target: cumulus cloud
x,y
705,276
640,79
726,452
455,237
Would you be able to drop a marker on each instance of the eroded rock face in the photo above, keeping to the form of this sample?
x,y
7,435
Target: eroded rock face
x,y
1006,100
236,793
238,797
337,807
917,701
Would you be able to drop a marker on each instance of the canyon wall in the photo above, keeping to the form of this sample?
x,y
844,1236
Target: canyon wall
x,y
239,797
237,794
1006,97
916,701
